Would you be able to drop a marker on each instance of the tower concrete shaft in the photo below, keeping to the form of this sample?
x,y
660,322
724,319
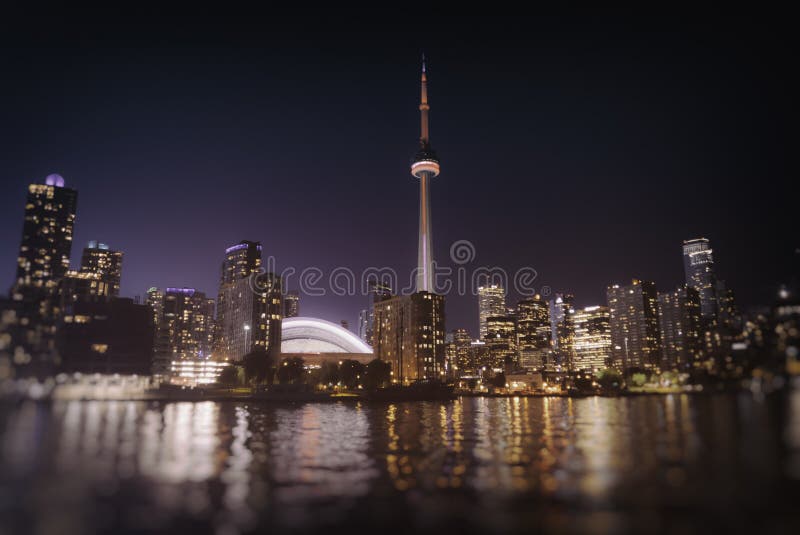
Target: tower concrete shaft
x,y
425,167
425,250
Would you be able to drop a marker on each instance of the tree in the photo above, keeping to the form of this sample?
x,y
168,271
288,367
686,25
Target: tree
x,y
377,374
292,370
259,367
313,377
669,378
638,379
329,373
229,376
610,379
350,372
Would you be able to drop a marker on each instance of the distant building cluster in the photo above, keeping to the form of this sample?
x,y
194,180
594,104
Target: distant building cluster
x,y
74,320
70,320
695,327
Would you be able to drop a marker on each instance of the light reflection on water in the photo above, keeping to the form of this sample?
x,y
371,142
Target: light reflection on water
x,y
474,463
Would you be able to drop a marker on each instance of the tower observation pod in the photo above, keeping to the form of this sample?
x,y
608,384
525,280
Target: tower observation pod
x,y
425,167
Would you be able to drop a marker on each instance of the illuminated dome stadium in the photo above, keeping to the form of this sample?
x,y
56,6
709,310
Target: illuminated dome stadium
x,y
312,335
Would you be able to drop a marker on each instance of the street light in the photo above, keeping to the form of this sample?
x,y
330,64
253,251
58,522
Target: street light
x,y
246,338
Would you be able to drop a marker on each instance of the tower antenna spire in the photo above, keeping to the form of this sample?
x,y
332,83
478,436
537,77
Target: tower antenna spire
x,y
425,167
424,137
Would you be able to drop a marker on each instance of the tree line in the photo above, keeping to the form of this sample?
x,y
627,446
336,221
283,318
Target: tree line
x,y
260,367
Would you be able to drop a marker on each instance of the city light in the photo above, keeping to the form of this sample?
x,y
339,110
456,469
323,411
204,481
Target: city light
x,y
611,345
196,372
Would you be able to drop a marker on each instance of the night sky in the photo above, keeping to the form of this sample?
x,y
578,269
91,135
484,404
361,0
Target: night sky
x,y
587,148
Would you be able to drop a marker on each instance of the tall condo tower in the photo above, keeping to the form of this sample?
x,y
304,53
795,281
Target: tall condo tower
x,y
698,264
42,264
46,239
425,167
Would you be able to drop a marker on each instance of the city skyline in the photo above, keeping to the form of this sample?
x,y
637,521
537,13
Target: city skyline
x,y
353,207
238,296
78,314
97,257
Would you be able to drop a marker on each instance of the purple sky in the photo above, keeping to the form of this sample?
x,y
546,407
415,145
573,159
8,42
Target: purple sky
x,y
585,148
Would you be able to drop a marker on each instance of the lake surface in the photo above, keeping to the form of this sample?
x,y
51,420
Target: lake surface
x,y
677,463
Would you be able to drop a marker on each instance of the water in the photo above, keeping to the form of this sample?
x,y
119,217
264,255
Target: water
x,y
651,463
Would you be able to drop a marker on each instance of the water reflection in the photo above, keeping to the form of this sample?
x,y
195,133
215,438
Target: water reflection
x,y
477,463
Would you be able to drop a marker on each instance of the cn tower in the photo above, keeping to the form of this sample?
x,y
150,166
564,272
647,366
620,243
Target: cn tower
x,y
425,167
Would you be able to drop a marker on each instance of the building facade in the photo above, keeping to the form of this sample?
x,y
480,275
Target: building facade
x,y
562,326
479,356
291,305
98,258
106,336
409,334
461,344
241,260
728,317
183,320
534,333
46,243
698,265
42,262
82,286
680,322
251,317
491,302
635,334
501,340
249,304
592,344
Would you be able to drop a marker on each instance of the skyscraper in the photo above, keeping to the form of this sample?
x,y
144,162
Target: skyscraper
x,y
491,302
43,261
183,325
425,168
46,238
241,260
479,355
409,334
635,335
534,333
698,266
291,305
561,322
254,316
249,306
98,258
728,317
501,339
679,319
450,355
162,342
592,347
461,344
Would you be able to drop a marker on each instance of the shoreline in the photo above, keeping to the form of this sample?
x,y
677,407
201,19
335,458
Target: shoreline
x,y
325,398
